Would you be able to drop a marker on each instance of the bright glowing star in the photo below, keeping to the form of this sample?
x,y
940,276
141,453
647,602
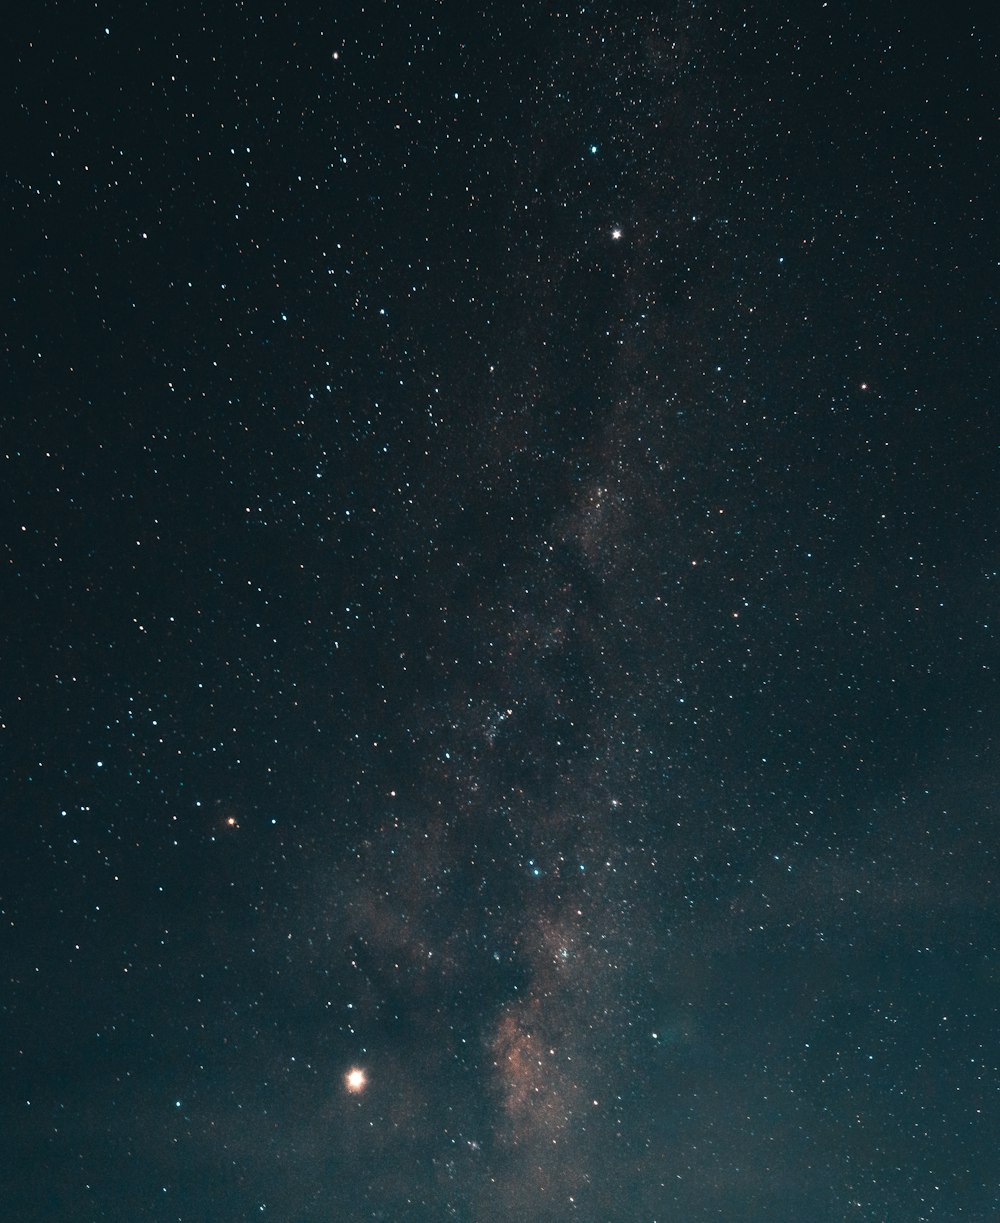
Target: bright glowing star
x,y
355,1080
616,234
231,821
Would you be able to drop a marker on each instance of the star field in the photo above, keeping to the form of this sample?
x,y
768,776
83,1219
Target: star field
x,y
499,691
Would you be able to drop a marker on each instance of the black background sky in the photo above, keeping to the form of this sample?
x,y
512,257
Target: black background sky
x,y
499,534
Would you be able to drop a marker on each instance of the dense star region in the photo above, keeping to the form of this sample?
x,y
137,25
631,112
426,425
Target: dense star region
x,y
498,695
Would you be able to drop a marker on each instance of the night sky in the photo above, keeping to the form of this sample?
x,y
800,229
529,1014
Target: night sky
x,y
499,673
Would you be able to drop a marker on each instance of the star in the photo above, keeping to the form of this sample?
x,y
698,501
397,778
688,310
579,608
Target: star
x,y
355,1080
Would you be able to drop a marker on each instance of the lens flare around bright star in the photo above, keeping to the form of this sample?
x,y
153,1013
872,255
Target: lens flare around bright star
x,y
355,1080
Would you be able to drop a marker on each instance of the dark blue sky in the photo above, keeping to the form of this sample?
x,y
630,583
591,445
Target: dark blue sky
x,y
499,534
